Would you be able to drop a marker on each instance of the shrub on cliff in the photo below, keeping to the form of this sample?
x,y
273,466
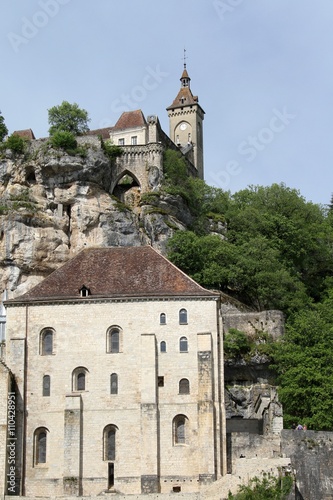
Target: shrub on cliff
x,y
3,128
63,140
16,144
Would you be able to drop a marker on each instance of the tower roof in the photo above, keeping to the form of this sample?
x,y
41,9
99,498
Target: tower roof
x,y
184,96
115,272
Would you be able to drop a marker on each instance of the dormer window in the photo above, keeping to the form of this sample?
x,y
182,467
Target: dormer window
x,y
84,291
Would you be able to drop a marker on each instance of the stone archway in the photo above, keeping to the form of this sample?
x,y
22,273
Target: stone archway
x,y
127,188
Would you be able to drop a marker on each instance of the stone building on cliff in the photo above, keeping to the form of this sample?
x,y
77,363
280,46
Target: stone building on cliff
x,y
118,365
111,368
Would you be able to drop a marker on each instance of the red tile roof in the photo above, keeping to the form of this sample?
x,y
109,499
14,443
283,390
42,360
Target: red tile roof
x,y
103,132
130,119
115,273
26,134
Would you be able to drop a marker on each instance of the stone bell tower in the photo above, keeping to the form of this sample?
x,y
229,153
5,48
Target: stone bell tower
x,y
185,120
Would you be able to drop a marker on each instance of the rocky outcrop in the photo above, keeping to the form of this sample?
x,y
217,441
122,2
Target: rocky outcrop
x,y
53,204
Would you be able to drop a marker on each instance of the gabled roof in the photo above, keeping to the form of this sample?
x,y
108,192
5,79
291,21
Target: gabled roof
x,y
25,134
115,273
103,132
130,119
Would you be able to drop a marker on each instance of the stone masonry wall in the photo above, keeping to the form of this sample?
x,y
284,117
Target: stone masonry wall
x,y
80,341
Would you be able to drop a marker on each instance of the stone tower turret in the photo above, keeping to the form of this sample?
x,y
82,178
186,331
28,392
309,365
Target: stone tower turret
x,y
185,120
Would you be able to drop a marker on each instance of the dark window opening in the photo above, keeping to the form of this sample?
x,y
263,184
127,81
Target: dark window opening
x,y
160,381
110,442
46,385
81,381
183,345
114,383
184,386
163,346
162,319
183,317
47,342
114,340
180,430
84,291
110,476
40,446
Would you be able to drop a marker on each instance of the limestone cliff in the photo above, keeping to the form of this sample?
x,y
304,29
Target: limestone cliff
x,y
53,204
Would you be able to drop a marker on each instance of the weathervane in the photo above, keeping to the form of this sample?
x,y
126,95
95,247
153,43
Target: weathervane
x,y
185,57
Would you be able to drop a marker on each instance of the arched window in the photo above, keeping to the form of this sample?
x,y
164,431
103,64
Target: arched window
x,y
184,386
46,385
163,346
162,319
114,383
46,342
114,338
40,442
183,317
183,344
109,442
179,429
79,379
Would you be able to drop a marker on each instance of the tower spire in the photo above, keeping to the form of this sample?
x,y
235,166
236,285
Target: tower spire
x,y
185,57
185,79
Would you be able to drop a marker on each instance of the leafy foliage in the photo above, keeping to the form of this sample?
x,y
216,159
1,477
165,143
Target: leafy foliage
x,y
68,118
3,128
16,144
267,488
236,343
278,252
304,362
111,150
64,140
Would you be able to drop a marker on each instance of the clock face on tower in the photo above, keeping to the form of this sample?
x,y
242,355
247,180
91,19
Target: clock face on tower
x,y
183,126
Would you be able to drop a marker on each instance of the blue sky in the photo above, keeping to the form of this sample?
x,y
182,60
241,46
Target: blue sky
x,y
262,70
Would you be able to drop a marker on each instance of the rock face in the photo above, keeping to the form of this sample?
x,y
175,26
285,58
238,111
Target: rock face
x,y
311,454
53,204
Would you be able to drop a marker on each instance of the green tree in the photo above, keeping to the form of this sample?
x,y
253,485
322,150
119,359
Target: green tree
x,y
3,128
267,488
68,118
64,140
304,362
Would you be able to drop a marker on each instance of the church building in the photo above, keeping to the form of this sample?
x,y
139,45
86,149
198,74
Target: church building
x,y
114,370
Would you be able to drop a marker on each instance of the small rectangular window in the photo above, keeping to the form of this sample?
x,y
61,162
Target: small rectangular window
x,y
134,140
160,381
121,142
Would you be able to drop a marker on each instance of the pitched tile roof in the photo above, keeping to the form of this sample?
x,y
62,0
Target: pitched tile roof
x,y
115,273
130,119
184,98
25,134
103,132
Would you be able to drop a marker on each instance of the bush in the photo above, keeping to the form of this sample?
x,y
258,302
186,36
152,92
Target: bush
x,y
16,144
111,150
63,140
267,488
236,344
